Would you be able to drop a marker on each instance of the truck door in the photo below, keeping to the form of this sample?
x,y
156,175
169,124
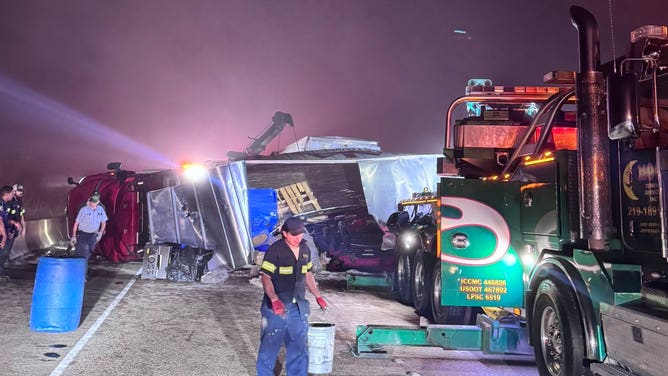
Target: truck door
x,y
480,221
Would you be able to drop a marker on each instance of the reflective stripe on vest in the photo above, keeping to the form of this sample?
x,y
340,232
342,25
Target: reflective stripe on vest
x,y
266,265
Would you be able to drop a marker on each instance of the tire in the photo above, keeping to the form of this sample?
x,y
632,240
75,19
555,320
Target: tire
x,y
556,330
439,313
421,285
447,315
402,279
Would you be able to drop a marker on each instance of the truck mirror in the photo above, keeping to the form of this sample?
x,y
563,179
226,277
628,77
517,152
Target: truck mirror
x,y
397,221
114,166
622,106
427,220
71,181
403,220
392,222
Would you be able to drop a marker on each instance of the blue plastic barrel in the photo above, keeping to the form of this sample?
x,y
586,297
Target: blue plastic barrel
x,y
58,294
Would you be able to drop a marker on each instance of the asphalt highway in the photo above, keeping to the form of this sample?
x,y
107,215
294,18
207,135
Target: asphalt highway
x,y
132,326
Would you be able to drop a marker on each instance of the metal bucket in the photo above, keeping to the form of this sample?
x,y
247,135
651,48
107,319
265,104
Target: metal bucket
x,y
57,297
320,347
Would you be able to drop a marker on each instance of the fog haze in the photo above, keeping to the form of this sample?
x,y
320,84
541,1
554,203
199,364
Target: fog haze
x,y
155,83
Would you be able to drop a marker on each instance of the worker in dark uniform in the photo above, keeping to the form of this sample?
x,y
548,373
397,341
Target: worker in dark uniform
x,y
18,209
88,228
286,274
15,210
5,226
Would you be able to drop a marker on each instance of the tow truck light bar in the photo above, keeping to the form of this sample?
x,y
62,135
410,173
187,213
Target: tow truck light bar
x,y
649,32
510,90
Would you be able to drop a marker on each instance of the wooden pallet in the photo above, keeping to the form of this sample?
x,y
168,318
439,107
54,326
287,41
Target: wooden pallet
x,y
297,199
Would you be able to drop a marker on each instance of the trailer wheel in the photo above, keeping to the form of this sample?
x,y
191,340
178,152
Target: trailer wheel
x,y
449,315
422,296
402,279
556,332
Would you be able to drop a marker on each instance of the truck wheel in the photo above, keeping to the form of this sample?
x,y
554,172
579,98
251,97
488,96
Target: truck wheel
x,y
449,315
439,313
422,284
556,331
402,279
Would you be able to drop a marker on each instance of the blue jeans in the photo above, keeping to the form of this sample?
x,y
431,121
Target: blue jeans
x,y
4,255
291,330
8,246
85,244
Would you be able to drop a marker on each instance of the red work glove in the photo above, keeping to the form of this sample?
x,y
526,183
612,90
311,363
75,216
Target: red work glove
x,y
321,302
278,307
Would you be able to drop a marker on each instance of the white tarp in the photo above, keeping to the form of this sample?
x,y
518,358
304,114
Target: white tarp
x,y
388,180
330,143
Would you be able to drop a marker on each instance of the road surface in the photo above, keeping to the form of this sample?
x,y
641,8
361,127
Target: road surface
x,y
137,327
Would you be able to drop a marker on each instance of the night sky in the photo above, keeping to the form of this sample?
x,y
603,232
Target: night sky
x,y
155,83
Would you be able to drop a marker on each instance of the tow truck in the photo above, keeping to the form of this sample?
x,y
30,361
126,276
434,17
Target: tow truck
x,y
556,228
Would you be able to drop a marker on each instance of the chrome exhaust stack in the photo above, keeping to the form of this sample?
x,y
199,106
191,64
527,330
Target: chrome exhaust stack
x,y
593,143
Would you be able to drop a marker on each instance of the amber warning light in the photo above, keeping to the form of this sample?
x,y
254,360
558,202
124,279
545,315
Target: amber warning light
x,y
194,171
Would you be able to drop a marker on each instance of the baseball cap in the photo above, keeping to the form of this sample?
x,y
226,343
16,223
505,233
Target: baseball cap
x,y
94,198
17,187
294,226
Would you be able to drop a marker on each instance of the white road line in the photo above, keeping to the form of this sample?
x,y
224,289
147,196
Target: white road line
x,y
89,333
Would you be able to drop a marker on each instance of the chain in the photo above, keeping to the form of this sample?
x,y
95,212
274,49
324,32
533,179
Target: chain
x,y
612,37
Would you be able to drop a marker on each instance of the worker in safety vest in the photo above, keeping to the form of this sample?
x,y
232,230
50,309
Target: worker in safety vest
x,y
286,274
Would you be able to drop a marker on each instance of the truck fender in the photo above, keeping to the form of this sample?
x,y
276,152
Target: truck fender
x,y
566,272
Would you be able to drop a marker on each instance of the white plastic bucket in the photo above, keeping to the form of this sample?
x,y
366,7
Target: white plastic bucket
x,y
320,347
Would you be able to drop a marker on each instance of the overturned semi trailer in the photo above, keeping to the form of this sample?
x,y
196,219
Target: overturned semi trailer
x,y
215,212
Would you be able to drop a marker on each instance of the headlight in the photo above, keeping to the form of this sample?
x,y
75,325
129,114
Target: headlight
x,y
528,259
194,171
408,240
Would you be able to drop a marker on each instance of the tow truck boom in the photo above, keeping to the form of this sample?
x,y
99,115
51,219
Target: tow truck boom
x,y
258,145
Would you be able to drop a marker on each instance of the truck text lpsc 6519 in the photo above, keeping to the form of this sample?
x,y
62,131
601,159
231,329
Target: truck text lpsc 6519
x,y
553,237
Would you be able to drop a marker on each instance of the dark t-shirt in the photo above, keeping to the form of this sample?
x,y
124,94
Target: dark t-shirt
x,y
17,209
287,273
14,210
5,217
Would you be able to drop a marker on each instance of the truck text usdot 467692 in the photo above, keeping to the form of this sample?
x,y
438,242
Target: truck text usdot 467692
x,y
553,237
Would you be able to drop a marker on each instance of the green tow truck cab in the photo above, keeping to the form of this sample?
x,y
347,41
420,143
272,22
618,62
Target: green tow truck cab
x,y
556,228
